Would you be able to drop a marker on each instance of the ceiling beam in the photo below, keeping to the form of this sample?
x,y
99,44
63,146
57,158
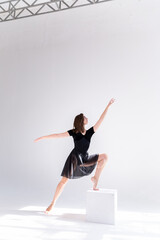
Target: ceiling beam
x,y
17,9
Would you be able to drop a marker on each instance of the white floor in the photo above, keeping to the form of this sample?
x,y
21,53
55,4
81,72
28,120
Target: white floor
x,y
31,222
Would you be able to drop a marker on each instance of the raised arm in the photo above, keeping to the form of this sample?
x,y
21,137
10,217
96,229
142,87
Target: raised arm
x,y
54,135
98,123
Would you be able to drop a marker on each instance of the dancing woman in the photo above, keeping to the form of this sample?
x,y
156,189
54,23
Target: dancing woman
x,y
79,163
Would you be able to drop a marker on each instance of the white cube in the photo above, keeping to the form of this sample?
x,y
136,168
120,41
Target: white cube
x,y
101,206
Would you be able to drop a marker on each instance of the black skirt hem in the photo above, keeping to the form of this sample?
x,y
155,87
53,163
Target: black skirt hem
x,y
72,170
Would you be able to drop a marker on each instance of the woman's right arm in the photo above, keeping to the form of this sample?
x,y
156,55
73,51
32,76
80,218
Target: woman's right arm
x,y
54,135
98,123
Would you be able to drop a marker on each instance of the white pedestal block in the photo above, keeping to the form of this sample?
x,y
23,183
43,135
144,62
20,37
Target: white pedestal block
x,y
101,206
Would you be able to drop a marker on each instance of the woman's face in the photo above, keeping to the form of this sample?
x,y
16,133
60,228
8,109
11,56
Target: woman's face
x,y
85,120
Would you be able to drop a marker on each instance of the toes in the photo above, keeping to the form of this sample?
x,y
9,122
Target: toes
x,y
94,183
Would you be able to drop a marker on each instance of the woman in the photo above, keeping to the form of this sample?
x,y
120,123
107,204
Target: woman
x,y
79,163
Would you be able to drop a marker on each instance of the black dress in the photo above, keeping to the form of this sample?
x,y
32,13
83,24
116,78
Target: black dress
x,y
79,163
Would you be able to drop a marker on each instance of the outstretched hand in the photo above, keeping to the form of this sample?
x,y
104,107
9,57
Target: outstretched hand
x,y
37,139
111,101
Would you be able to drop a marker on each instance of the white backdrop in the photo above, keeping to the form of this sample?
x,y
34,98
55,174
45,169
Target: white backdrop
x,y
55,66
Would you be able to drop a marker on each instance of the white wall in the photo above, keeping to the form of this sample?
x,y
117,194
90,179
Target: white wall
x,y
55,66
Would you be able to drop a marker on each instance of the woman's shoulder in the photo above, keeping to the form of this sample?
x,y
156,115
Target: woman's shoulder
x,y
72,131
90,131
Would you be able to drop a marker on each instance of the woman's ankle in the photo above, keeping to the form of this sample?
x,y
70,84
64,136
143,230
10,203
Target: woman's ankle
x,y
95,177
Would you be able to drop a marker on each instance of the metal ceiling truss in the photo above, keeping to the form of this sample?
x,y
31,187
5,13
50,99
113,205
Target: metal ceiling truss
x,y
16,9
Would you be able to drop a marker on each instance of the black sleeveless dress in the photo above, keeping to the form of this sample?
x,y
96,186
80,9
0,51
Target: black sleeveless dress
x,y
79,163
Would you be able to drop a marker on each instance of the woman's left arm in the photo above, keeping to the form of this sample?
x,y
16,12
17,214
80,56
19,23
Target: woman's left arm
x,y
98,123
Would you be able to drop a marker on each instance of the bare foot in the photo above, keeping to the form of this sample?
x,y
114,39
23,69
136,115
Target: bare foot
x,y
49,208
94,180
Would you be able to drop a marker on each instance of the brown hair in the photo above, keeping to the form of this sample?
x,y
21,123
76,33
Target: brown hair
x,y
79,123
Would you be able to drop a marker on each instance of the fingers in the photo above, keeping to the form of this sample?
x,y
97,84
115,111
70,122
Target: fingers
x,y
112,100
36,140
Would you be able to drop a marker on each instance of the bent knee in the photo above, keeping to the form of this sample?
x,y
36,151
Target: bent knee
x,y
105,157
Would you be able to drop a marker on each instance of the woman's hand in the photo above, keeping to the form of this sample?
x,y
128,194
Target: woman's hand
x,y
37,139
111,101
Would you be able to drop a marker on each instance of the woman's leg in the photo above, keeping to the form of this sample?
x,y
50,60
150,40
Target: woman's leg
x,y
102,160
58,191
